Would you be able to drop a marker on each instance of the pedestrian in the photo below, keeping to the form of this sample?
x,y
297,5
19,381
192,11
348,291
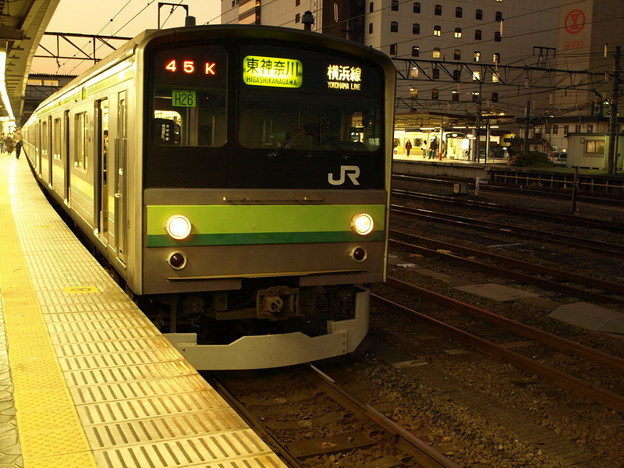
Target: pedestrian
x,y
433,146
18,143
8,143
408,147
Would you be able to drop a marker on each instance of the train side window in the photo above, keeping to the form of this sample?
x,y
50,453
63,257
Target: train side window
x,y
80,140
56,142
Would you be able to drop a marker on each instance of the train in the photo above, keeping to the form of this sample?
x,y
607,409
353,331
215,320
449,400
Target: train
x,y
236,180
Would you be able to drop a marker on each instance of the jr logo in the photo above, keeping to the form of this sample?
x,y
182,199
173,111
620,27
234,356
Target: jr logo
x,y
353,172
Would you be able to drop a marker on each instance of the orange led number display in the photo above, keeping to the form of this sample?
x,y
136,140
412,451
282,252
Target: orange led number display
x,y
190,67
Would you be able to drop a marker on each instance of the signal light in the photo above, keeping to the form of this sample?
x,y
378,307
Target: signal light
x,y
177,260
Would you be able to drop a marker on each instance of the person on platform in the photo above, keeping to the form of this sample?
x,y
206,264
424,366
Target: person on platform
x,y
408,147
433,147
18,143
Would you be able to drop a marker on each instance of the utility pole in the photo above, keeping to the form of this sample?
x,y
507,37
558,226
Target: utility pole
x,y
613,121
527,126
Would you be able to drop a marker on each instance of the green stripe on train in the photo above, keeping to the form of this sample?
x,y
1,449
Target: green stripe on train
x,y
263,224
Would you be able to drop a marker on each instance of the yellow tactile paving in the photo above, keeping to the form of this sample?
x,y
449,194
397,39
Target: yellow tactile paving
x,y
37,377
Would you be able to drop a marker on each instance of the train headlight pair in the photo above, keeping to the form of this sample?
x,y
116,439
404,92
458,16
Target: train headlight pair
x,y
178,227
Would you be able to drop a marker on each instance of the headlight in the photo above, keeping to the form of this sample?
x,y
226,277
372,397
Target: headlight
x,y
178,227
362,224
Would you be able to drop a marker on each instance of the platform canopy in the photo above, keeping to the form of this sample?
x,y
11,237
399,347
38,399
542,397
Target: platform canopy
x,y
22,24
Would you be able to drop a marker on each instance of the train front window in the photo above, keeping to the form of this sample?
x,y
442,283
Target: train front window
x,y
189,100
304,100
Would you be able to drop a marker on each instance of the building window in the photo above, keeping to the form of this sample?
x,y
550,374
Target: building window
x,y
458,33
416,28
435,94
594,146
499,16
495,77
395,5
437,10
371,7
415,51
477,34
496,57
437,31
578,128
555,129
497,36
477,56
566,127
394,26
394,49
370,28
457,74
414,72
590,128
479,14
435,73
297,2
454,96
494,97
475,96
297,18
459,12
457,54
416,7
476,75
414,92
436,53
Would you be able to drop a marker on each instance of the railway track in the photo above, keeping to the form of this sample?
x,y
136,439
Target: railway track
x,y
530,273
560,378
566,194
481,225
515,211
296,423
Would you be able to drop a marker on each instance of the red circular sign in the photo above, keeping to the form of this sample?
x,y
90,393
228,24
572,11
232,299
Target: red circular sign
x,y
575,21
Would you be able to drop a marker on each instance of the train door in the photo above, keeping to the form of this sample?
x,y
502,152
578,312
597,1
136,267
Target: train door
x,y
101,169
65,156
120,175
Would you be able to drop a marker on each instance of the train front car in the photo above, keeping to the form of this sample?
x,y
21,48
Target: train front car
x,y
266,184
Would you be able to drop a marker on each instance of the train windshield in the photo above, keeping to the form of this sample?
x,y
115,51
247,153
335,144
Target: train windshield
x,y
189,96
306,100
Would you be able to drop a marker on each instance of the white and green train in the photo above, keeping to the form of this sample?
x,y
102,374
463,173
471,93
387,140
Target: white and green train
x,y
237,179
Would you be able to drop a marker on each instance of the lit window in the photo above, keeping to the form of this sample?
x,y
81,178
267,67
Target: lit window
x,y
495,77
477,56
413,92
415,51
458,33
414,72
437,31
455,96
436,53
476,76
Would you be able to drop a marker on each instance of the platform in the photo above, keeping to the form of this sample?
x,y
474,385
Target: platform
x,y
87,380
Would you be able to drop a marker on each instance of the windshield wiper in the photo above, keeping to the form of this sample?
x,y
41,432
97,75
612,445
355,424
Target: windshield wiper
x,y
291,135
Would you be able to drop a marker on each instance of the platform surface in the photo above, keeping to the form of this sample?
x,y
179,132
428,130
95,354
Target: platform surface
x,y
86,379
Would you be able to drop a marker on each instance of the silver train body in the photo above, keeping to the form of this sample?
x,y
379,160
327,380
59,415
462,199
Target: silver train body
x,y
237,180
